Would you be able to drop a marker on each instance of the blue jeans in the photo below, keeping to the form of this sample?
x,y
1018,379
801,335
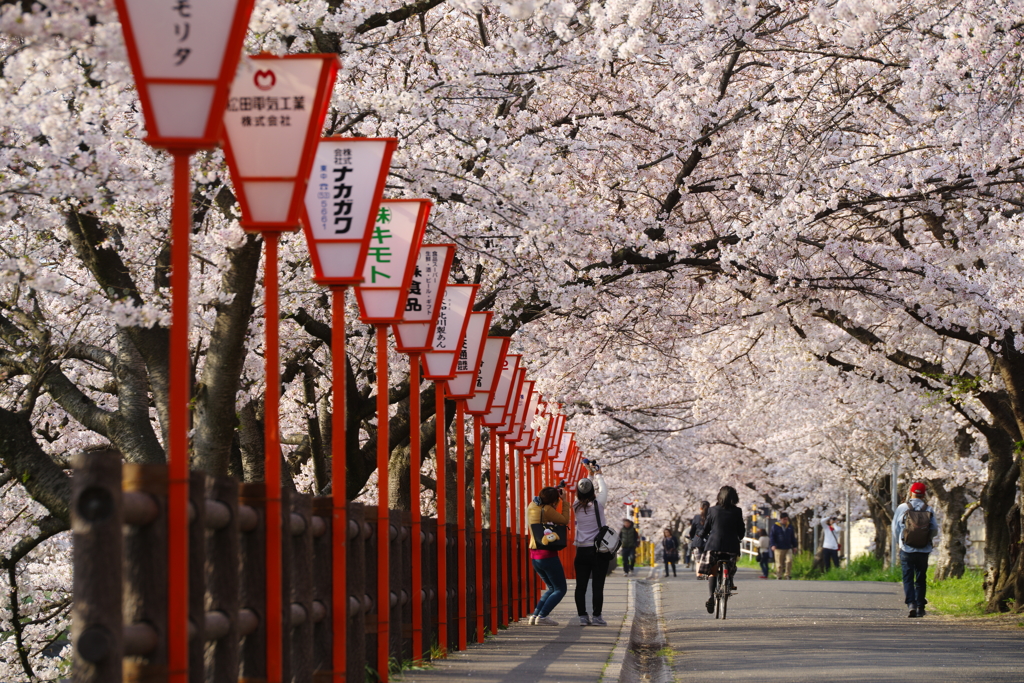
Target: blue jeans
x,y
830,556
762,559
915,569
551,573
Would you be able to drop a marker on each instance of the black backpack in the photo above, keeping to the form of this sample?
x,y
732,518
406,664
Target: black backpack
x,y
917,528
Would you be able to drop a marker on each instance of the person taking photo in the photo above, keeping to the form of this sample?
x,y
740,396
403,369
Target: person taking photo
x,y
546,508
590,565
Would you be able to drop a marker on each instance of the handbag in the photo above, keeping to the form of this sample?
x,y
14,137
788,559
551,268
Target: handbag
x,y
607,540
549,536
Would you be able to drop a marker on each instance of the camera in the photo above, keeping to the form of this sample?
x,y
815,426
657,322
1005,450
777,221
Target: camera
x,y
561,484
592,463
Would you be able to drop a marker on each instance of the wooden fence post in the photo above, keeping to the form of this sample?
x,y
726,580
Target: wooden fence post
x,y
222,579
252,584
429,591
145,577
361,619
300,598
323,590
197,577
96,511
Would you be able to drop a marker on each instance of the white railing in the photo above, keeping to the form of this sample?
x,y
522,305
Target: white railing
x,y
749,546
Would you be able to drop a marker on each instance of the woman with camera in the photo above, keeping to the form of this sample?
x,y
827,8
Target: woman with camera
x,y
545,509
591,495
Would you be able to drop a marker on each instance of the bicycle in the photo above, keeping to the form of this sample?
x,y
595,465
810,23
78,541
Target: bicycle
x,y
723,588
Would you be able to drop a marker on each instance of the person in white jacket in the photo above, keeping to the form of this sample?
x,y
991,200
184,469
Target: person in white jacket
x,y
831,542
589,509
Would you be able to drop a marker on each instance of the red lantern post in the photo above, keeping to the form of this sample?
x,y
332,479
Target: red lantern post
x,y
387,274
496,407
413,336
440,366
491,360
341,205
269,150
461,388
183,58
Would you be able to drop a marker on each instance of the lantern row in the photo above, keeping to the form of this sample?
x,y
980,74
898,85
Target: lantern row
x,y
268,113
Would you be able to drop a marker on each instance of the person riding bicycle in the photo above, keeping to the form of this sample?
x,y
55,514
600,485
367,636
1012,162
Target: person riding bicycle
x,y
722,533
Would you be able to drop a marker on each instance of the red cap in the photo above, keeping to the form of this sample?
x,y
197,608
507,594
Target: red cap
x,y
917,487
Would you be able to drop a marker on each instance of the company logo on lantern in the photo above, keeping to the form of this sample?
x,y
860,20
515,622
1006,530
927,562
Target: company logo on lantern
x,y
264,80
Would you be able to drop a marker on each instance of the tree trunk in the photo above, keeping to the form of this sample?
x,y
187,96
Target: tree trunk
x,y
881,517
953,527
997,497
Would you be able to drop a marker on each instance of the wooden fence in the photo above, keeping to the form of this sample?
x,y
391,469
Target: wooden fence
x,y
119,620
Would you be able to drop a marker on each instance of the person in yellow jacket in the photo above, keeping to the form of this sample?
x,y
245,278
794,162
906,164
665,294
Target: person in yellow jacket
x,y
546,507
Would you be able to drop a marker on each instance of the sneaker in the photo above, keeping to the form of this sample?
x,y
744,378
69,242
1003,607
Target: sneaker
x,y
545,621
913,611
920,611
584,620
532,620
598,621
710,604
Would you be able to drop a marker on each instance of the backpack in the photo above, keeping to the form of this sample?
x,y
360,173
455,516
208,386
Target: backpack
x,y
917,528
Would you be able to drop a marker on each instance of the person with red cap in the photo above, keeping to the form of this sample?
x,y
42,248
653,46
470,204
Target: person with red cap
x,y
913,528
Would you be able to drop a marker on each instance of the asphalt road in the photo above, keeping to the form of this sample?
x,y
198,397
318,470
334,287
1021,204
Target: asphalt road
x,y
815,631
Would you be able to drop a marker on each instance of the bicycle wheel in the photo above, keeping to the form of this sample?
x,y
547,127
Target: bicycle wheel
x,y
719,582
725,594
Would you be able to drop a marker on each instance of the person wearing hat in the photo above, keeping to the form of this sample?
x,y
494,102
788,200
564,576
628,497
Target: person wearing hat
x,y
591,495
914,547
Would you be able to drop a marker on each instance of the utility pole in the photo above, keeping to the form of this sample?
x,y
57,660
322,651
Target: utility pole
x,y
894,544
847,532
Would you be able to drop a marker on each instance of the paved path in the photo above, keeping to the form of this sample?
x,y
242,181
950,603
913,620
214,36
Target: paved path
x,y
567,653
814,631
777,631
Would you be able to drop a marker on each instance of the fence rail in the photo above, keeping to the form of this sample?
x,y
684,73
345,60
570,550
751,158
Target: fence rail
x,y
119,523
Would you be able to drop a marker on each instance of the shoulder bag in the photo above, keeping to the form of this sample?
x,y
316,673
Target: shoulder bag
x,y
549,536
607,540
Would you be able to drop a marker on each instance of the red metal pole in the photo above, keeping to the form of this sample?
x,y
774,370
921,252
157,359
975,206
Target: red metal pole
x,y
272,464
339,486
495,466
478,524
441,455
505,614
414,498
513,534
521,557
460,514
180,376
383,521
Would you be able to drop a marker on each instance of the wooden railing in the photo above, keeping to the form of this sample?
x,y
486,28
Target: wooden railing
x,y
119,523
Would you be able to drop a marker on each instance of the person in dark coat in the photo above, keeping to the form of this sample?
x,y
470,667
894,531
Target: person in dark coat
x,y
722,533
784,545
693,549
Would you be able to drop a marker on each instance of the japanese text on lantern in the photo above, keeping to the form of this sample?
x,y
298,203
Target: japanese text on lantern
x,y
334,191
379,254
425,280
182,31
441,330
179,38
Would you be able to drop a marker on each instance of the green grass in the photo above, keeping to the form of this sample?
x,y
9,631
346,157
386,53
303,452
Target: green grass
x,y
963,597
